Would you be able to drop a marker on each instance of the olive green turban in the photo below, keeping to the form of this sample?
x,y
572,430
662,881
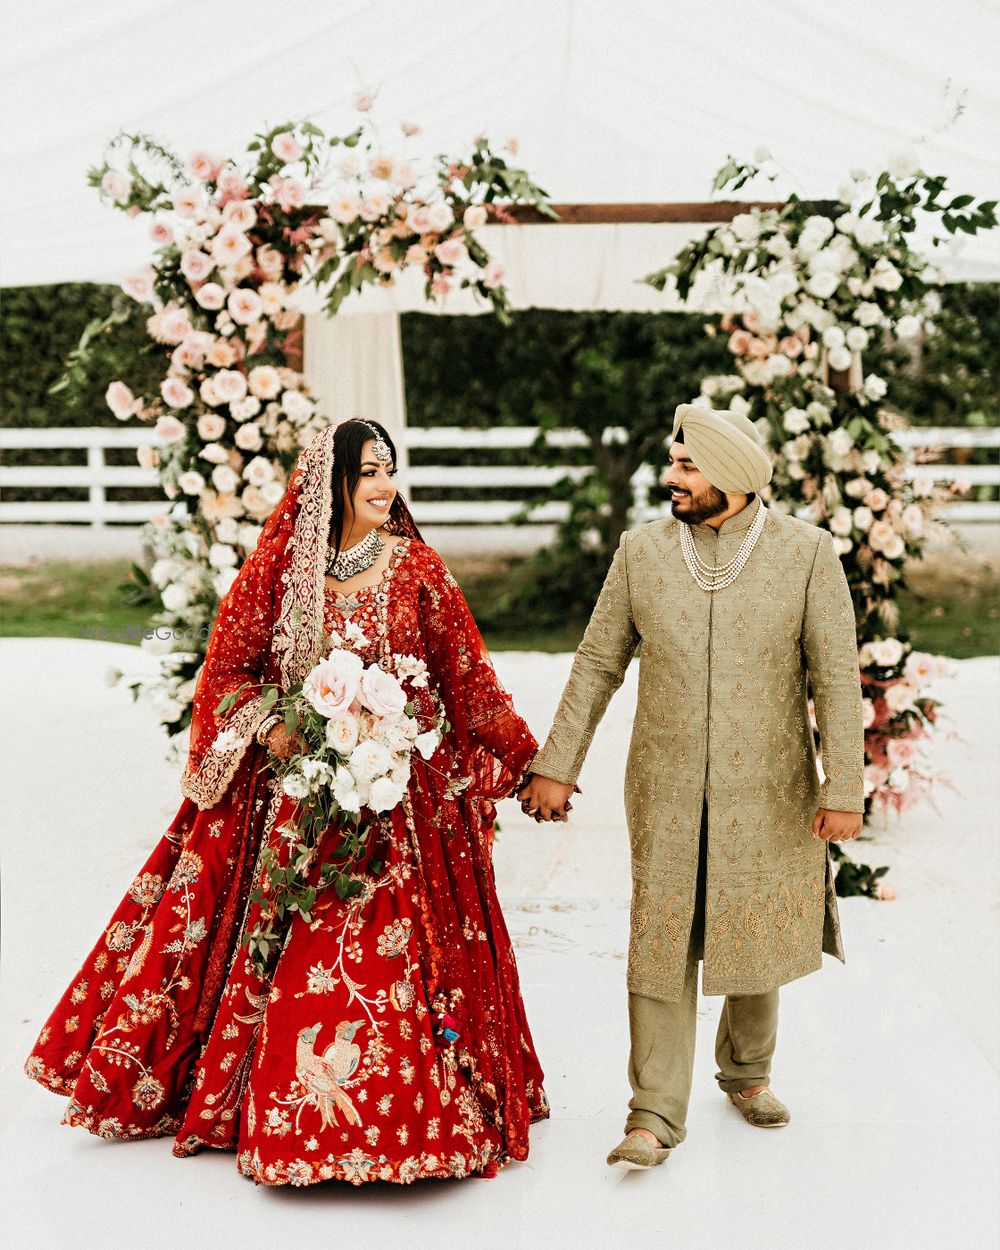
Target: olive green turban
x,y
725,447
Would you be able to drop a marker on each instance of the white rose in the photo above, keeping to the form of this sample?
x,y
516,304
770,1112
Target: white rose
x,y
746,227
211,426
875,387
227,531
258,471
272,492
841,522
474,217
857,339
777,366
912,520
230,385
886,652
823,284
222,581
191,482
868,314
384,795
224,479
342,732
368,761
893,547
439,217
886,276
221,556
857,487
795,421
175,597
839,359
226,741
170,710
908,327
265,382
900,695
427,743
809,242
164,571
863,519
822,226
244,409
842,546
295,405
214,453
840,443
869,232
834,336
248,535
248,437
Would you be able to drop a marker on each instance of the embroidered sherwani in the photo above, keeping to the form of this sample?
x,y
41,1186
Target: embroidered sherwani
x,y
723,721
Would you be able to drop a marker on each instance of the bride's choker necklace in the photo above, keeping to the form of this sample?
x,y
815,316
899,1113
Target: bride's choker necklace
x,y
357,559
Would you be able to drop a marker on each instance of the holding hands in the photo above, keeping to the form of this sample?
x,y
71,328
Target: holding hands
x,y
546,799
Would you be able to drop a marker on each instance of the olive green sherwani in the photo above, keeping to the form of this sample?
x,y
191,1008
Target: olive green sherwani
x,y
722,721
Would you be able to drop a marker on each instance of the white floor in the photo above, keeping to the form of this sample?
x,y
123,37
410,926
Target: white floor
x,y
889,1063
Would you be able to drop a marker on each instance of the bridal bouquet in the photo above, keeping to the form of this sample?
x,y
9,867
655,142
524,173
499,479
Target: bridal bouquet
x,y
360,727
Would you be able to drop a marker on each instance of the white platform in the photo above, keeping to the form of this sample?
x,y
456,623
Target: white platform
x,y
888,1063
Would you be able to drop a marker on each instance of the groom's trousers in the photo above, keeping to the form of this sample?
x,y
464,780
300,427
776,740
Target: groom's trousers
x,y
661,1059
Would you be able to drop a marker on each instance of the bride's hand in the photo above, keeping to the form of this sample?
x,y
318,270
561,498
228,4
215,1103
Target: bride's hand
x,y
282,745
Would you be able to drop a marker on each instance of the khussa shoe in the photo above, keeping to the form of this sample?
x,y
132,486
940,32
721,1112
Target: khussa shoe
x,y
763,1110
635,1151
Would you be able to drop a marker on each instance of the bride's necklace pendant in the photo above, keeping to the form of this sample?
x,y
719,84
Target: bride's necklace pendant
x,y
357,559
718,576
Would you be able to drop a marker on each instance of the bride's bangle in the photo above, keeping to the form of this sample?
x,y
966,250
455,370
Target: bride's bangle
x,y
266,727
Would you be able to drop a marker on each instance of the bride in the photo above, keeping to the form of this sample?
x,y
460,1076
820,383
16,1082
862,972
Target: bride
x,y
389,1040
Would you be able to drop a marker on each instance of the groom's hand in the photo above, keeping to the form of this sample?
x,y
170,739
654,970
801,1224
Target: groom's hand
x,y
836,826
546,799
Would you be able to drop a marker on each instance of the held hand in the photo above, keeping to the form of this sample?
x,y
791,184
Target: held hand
x,y
836,826
283,746
546,799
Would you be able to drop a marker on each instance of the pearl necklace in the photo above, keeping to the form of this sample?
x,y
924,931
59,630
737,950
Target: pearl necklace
x,y
357,559
718,576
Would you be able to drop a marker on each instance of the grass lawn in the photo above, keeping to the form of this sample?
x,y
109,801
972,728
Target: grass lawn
x,y
952,606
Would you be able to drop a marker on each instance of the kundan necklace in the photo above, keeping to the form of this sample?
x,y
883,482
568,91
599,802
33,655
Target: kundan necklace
x,y
719,576
357,559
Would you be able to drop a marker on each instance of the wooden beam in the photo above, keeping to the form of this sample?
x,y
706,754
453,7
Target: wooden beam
x,y
633,214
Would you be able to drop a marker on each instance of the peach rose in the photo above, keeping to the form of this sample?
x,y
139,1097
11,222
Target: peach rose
x,y
141,285
169,430
148,457
342,732
265,382
230,385
187,201
175,325
493,275
121,401
244,306
452,252
211,296
161,234
230,245
176,393
203,166
196,265
286,147
900,695
886,892
232,183
211,426
289,193
240,214
221,354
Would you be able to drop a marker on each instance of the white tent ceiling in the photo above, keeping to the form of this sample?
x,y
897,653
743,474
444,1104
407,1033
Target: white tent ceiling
x,y
636,101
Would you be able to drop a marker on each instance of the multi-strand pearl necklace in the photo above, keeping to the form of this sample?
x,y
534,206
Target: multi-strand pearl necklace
x,y
719,576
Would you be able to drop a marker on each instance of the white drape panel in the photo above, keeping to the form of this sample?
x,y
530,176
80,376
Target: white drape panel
x,y
636,101
354,367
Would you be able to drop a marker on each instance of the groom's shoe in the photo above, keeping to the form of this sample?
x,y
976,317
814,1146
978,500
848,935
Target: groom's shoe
x,y
761,1110
635,1151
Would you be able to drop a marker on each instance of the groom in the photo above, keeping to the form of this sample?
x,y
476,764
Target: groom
x,y
742,612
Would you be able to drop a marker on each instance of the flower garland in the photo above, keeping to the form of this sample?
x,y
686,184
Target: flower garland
x,y
236,244
808,289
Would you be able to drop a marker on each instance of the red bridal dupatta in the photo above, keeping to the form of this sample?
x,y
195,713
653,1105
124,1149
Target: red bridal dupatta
x,y
389,1041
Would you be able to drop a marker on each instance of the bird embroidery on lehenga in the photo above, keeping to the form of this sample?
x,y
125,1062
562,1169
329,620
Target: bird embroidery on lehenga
x,y
322,1075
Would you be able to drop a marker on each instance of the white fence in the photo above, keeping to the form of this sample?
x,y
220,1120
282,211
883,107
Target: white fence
x,y
492,509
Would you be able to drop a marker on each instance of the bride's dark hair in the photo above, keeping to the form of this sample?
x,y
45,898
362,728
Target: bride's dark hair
x,y
349,439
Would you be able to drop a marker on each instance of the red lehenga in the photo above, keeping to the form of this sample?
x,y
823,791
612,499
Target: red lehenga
x,y
340,1066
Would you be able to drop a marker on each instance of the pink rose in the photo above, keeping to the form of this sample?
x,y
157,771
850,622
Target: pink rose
x,y
244,306
265,382
175,393
169,430
493,275
116,186
211,426
240,214
920,667
232,183
452,252
230,245
161,234
901,751
364,101
875,778
900,695
382,694
409,129
332,685
121,401
474,216
286,147
175,325
187,201
203,166
141,285
416,255
739,342
211,296
441,286
196,265
230,385
418,219
271,263
289,193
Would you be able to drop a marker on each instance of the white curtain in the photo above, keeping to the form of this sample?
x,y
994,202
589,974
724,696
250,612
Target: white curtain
x,y
354,366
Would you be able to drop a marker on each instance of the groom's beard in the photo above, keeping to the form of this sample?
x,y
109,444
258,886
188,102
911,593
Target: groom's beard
x,y
695,509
